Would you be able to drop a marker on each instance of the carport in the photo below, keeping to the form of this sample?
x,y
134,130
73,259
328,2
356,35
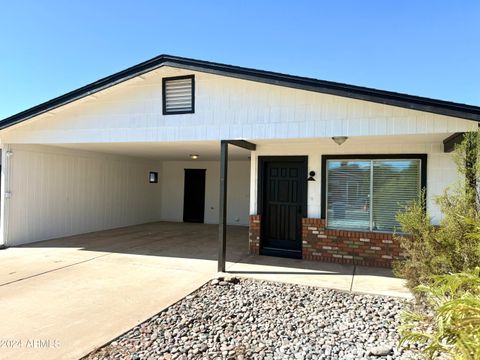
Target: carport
x,y
68,189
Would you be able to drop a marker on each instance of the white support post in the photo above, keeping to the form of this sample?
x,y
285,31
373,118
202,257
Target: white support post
x,y
5,194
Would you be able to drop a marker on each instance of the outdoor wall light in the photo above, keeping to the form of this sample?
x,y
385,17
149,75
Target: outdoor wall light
x,y
153,177
194,156
339,140
9,153
311,177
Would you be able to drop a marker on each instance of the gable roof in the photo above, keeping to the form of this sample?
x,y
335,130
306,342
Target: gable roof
x,y
441,107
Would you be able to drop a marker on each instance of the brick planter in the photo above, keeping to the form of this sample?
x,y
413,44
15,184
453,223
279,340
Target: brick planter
x,y
347,247
254,234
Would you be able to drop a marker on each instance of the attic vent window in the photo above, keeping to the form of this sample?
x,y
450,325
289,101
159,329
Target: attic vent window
x,y
179,95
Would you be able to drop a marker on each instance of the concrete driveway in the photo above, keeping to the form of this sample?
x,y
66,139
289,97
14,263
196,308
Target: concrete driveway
x,y
62,298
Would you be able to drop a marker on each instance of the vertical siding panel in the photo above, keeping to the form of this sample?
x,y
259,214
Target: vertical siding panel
x,y
58,192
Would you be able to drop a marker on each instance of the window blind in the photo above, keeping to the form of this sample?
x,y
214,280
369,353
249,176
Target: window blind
x,y
348,194
395,184
367,194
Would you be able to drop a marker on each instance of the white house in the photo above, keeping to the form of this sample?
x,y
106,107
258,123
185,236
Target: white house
x,y
317,169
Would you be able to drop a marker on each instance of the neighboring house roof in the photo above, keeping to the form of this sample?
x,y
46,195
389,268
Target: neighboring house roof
x,y
442,107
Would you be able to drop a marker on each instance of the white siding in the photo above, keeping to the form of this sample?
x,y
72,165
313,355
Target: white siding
x,y
57,192
441,170
238,190
225,108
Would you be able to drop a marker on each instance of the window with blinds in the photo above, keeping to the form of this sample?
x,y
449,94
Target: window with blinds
x,y
367,194
348,194
179,95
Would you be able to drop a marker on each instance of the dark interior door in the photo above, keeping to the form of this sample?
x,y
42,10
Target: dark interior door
x,y
194,196
284,205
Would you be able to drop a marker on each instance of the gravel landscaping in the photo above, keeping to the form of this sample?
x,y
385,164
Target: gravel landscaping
x,y
250,319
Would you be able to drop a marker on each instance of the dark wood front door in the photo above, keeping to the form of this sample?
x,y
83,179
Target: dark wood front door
x,y
284,201
194,196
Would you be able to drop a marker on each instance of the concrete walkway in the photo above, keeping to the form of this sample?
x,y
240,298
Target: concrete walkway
x,y
62,298
356,279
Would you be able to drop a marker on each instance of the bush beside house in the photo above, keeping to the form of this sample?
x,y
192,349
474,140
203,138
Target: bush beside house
x,y
442,266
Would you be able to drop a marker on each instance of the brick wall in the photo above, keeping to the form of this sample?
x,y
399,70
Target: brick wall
x,y
339,246
347,247
254,234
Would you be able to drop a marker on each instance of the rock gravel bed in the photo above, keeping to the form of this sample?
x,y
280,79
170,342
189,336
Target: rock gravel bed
x,y
250,319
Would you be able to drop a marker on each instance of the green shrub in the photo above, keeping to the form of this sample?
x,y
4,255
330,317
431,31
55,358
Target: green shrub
x,y
439,262
454,245
451,247
450,324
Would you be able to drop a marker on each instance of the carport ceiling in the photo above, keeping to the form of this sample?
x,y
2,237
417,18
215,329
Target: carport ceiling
x,y
173,151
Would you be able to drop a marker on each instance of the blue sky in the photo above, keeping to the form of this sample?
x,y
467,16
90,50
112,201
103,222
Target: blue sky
x,y
429,47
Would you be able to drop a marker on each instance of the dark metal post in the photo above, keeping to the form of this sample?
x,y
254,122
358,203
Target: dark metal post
x,y
222,228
